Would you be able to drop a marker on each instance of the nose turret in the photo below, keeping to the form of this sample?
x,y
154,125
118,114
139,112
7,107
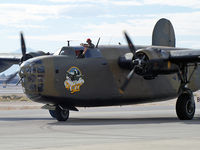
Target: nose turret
x,y
32,74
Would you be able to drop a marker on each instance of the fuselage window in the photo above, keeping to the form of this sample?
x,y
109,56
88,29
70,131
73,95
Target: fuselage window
x,y
40,69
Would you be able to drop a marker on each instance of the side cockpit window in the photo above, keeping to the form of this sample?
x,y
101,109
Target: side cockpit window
x,y
69,51
89,53
80,52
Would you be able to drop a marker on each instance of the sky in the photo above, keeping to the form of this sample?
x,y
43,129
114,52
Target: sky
x,y
48,24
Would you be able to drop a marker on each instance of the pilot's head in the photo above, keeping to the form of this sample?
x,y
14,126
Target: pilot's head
x,y
89,40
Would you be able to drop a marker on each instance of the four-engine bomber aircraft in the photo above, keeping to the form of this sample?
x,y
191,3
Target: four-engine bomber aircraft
x,y
113,75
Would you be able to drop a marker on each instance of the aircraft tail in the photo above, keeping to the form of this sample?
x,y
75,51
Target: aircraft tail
x,y
163,34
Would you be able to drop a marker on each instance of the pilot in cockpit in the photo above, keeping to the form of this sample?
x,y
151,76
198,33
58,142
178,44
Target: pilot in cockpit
x,y
86,46
89,44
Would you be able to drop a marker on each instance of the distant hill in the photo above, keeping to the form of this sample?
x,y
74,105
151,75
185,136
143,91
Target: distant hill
x,y
27,49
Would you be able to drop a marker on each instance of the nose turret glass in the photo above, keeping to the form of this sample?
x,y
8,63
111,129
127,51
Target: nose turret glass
x,y
32,75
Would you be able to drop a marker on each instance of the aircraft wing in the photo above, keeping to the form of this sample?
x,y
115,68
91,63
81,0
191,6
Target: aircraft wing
x,y
8,59
184,56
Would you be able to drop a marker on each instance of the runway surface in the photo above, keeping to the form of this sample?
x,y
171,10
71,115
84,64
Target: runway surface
x,y
152,126
11,89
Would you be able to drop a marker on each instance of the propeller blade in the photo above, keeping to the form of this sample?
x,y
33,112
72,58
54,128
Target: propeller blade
x,y
130,44
19,81
11,77
128,78
23,46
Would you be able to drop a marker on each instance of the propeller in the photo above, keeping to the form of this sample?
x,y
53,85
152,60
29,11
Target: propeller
x,y
128,78
137,61
23,49
25,56
130,44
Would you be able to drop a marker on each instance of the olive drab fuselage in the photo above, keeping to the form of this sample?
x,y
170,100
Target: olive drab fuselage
x,y
94,80
82,76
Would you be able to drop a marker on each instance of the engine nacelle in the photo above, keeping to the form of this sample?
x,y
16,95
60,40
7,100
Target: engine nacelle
x,y
34,54
157,62
151,62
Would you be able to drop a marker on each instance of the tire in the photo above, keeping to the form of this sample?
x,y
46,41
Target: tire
x,y
61,115
52,113
185,106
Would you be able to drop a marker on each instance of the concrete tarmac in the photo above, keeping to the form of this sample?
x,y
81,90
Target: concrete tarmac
x,y
149,126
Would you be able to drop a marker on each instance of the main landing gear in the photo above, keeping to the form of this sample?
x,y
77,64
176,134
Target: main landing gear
x,y
60,113
185,105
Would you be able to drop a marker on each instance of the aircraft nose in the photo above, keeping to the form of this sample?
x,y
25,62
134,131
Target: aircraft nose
x,y
32,75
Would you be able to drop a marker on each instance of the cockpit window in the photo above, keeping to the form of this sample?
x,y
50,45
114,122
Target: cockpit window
x,y
67,51
93,52
77,51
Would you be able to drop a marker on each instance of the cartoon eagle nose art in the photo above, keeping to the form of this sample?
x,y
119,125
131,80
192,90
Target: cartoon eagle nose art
x,y
74,80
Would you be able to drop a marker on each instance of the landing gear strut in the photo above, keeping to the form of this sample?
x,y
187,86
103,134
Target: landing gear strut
x,y
185,105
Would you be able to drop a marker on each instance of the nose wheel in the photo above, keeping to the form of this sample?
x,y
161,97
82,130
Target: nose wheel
x,y
59,113
185,106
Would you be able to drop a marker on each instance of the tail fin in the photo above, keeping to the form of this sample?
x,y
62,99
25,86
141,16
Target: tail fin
x,y
163,34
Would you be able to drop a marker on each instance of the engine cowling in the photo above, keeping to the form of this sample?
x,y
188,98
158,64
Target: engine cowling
x,y
149,63
33,54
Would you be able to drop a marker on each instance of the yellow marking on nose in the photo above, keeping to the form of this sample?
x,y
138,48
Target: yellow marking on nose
x,y
169,64
121,91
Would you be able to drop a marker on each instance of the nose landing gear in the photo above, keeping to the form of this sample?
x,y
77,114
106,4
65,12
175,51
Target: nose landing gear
x,y
59,113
